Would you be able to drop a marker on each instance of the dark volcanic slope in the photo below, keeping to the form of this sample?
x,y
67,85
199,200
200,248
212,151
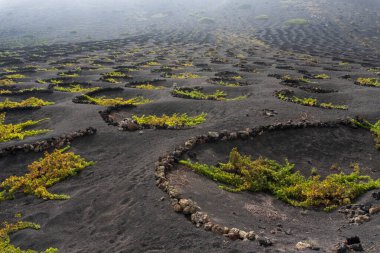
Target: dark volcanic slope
x,y
115,205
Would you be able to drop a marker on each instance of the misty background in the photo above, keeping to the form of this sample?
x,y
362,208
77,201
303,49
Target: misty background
x,y
41,22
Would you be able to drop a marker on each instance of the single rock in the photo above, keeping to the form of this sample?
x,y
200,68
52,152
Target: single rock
x,y
303,246
208,226
264,241
243,235
199,218
251,235
214,135
374,210
361,219
233,234
129,125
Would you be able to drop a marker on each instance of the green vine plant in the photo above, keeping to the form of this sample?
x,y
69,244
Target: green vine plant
x,y
5,241
173,121
30,102
75,88
149,86
372,82
44,173
7,82
242,173
286,95
374,128
186,75
22,91
199,95
16,131
116,101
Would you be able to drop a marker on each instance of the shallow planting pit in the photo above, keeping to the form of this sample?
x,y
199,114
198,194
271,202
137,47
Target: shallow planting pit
x,y
330,150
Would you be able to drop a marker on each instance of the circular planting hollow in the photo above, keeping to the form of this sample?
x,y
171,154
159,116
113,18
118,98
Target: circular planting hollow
x,y
167,116
317,150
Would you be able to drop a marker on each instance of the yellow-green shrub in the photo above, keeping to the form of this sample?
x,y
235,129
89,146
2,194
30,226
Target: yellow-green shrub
x,y
242,173
16,131
197,94
30,102
75,88
374,128
176,120
7,82
5,241
308,101
117,101
368,82
149,86
43,173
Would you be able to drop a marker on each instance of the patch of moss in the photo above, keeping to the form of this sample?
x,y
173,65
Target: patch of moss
x,y
69,74
242,173
262,17
321,76
297,21
198,94
30,102
374,128
207,21
116,101
186,75
151,64
16,131
15,76
7,82
5,241
375,70
374,82
289,97
114,74
44,173
149,87
173,121
73,88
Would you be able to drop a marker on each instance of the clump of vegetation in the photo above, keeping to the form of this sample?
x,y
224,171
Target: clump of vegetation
x,y
242,173
116,101
151,64
75,88
111,80
16,131
186,75
187,64
4,92
375,70
30,102
15,76
44,173
288,96
297,21
114,74
198,94
374,128
321,76
262,17
69,74
149,86
207,21
173,121
5,241
52,81
290,79
7,82
228,84
374,82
